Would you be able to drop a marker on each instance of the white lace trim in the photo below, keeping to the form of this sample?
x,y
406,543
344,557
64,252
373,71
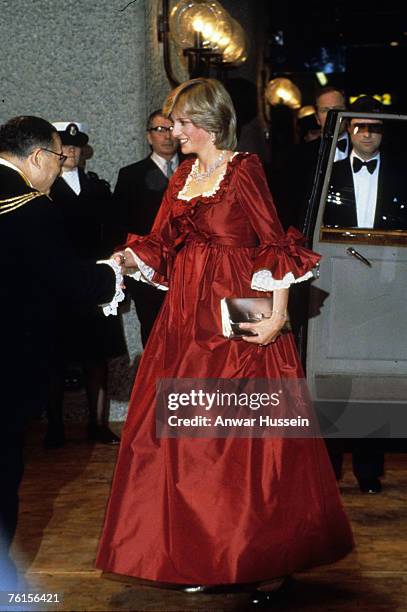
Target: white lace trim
x,y
144,273
111,307
263,280
205,194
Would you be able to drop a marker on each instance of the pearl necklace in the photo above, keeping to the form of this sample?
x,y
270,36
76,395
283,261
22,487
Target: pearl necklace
x,y
201,176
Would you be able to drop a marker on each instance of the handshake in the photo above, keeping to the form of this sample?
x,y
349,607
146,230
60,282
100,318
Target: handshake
x,y
125,260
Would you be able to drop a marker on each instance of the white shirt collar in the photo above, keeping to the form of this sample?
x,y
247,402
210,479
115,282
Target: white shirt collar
x,y
5,162
71,177
162,163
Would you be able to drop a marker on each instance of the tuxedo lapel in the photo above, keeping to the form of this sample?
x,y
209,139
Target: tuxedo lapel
x,y
341,203
391,207
381,197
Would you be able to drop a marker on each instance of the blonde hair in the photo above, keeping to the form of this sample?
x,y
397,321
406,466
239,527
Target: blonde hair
x,y
209,106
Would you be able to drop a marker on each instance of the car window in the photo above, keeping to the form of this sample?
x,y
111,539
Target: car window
x,y
365,189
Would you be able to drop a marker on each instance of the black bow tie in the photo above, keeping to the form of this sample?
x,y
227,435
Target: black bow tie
x,y
358,163
342,144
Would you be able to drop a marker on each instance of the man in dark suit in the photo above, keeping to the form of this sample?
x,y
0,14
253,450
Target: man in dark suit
x,y
39,270
292,182
139,190
294,174
366,189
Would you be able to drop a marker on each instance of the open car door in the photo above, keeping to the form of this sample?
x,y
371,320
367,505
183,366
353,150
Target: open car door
x,y
356,353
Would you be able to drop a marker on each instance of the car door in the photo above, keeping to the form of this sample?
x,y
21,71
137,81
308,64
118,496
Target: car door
x,y
357,333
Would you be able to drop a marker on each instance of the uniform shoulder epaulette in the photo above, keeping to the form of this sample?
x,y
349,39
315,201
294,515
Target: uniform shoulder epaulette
x,y
11,204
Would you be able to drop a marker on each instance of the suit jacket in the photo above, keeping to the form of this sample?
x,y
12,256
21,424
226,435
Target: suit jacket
x,y
291,182
138,194
87,217
39,270
391,201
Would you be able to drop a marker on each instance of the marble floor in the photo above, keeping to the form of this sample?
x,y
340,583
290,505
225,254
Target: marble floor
x,y
63,497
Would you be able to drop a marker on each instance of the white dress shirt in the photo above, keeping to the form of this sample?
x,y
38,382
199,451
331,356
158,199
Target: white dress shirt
x,y
162,163
365,187
72,178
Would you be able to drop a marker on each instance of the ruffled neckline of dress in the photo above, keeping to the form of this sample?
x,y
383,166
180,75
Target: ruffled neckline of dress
x,y
217,193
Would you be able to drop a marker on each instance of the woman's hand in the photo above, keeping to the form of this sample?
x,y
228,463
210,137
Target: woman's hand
x,y
119,259
267,330
125,259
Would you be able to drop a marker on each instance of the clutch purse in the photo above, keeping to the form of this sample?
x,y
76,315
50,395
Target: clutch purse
x,y
245,310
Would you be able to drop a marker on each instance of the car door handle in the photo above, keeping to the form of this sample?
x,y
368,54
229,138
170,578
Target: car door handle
x,y
354,253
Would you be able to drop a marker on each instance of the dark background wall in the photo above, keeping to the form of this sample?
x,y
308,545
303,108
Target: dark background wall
x,y
360,46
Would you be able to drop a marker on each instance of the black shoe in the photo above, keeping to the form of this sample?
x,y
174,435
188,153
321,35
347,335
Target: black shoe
x,y
194,588
102,433
370,485
262,599
55,437
266,599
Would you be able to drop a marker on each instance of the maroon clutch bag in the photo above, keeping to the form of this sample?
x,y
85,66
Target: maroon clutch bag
x,y
245,310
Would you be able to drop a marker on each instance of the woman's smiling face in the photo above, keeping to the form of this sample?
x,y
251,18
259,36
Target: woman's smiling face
x,y
192,139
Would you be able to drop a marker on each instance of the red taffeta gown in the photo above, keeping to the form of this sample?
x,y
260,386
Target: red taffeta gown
x,y
218,511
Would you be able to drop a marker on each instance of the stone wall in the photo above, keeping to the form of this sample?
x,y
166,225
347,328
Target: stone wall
x,y
87,61
93,62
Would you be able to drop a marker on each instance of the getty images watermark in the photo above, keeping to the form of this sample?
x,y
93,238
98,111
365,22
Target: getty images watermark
x,y
219,408
244,408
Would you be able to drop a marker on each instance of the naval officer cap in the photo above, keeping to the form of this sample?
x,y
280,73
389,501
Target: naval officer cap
x,y
72,133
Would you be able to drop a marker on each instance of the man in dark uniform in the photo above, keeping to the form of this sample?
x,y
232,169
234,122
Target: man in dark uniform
x,y
367,189
89,338
139,190
39,270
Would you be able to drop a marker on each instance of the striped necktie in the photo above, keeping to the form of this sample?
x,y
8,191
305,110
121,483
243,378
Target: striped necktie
x,y
169,169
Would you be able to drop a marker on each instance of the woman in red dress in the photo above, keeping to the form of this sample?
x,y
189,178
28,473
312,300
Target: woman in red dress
x,y
212,511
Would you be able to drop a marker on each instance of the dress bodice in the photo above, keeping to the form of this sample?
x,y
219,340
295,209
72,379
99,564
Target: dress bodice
x,y
217,217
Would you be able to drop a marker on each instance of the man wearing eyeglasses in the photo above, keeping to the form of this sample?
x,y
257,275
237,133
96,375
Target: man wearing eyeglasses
x,y
295,171
367,188
39,270
139,190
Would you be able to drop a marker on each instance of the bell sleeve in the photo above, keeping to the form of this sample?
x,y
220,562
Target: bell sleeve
x,y
281,259
155,253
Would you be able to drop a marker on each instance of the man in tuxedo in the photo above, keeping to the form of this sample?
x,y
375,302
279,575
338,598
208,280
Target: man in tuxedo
x,y
367,189
39,270
139,190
